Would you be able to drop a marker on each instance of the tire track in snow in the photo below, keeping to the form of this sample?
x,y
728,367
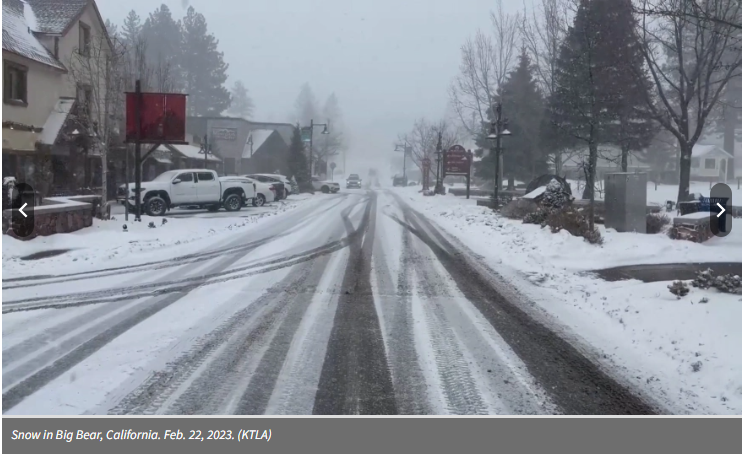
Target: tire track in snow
x,y
234,246
574,383
355,376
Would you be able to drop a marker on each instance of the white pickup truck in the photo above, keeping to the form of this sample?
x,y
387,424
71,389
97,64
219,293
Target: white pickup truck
x,y
191,187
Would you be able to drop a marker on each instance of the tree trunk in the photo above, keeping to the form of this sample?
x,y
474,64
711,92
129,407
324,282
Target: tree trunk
x,y
592,164
558,163
511,182
684,184
624,157
104,174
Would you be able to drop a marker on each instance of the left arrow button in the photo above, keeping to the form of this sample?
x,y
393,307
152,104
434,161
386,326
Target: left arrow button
x,y
21,210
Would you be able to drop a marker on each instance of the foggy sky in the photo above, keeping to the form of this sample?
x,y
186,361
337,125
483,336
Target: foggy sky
x,y
388,61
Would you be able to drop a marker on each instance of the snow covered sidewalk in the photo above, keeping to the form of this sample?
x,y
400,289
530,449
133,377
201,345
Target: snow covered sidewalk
x,y
683,352
105,244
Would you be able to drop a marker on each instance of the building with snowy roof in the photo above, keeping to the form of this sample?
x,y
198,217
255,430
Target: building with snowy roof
x,y
40,96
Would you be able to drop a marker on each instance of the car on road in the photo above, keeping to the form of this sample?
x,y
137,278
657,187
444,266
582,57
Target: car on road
x,y
399,180
353,181
265,192
325,186
275,178
189,187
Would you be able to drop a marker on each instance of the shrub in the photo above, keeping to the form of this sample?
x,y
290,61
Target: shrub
x,y
536,217
656,222
575,223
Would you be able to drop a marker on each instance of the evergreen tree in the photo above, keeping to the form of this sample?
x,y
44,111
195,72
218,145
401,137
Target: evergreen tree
x,y
306,106
242,106
203,67
297,162
132,28
523,105
111,28
162,35
627,85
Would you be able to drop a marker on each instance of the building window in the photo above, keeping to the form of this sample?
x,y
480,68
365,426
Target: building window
x,y
56,47
15,88
84,48
710,163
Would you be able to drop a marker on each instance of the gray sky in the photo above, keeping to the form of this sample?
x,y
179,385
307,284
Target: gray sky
x,y
388,61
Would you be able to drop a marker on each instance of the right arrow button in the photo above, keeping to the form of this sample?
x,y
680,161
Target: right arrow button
x,y
722,210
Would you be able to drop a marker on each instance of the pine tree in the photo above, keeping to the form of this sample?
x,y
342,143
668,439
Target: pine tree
x,y
298,166
203,67
523,105
132,28
242,106
162,35
628,86
306,106
111,28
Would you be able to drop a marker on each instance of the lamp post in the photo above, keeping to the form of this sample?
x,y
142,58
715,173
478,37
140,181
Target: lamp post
x,y
206,150
498,129
439,154
249,142
312,124
406,149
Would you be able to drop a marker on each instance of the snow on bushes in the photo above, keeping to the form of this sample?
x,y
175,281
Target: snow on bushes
x,y
656,222
556,211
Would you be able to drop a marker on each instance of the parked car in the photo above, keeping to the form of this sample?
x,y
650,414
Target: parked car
x,y
270,177
325,186
265,192
399,180
353,181
184,187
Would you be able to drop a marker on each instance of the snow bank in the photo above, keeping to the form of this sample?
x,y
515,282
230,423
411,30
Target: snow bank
x,y
652,338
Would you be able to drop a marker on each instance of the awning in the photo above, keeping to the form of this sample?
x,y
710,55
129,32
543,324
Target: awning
x,y
18,140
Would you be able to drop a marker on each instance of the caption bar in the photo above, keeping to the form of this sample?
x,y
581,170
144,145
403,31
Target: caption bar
x,y
128,434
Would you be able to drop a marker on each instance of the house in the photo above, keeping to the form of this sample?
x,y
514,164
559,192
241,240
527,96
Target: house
x,y
178,156
230,139
709,163
41,145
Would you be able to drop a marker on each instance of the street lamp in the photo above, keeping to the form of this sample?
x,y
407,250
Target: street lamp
x,y
498,129
439,156
206,151
326,130
406,149
249,142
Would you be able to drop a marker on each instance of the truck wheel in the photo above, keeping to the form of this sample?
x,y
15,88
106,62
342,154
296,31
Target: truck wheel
x,y
212,208
233,202
325,190
258,201
156,206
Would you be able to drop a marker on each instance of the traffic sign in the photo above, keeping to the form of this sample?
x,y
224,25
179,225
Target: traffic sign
x,y
333,165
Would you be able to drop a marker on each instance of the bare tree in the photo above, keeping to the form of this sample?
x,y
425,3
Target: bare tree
x,y
95,70
423,140
543,32
485,62
691,61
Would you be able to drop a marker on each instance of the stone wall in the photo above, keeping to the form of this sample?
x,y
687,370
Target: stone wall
x,y
58,215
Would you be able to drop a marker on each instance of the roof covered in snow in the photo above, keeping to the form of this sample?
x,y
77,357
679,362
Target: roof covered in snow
x,y
56,120
18,37
54,16
188,151
259,136
711,151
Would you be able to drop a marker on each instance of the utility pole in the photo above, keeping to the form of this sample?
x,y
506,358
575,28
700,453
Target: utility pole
x,y
438,152
206,150
311,155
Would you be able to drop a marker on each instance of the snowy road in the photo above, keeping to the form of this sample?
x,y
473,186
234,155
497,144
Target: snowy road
x,y
358,305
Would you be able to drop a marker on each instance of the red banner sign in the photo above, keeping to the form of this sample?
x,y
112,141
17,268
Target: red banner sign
x,y
457,161
162,117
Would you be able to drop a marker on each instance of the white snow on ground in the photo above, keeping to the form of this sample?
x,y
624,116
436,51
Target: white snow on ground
x,y
105,244
643,331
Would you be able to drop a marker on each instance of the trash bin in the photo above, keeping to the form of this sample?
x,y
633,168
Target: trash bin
x,y
689,207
